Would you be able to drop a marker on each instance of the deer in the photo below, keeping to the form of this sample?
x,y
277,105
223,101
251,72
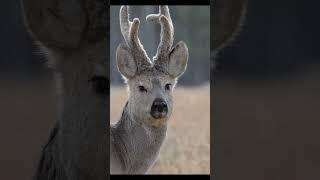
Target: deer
x,y
136,139
73,36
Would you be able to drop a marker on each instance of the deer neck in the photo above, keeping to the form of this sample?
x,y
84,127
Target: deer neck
x,y
82,117
137,146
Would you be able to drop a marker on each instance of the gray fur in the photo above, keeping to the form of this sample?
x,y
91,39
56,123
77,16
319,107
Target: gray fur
x,y
134,156
73,36
137,137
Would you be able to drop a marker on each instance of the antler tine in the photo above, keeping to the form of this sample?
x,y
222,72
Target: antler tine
x,y
167,31
163,10
125,23
134,31
130,31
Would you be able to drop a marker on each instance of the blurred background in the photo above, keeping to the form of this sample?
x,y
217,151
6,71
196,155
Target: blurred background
x,y
27,100
187,147
267,95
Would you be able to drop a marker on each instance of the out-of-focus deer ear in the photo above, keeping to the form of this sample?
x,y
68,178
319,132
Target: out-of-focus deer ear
x,y
178,60
54,22
125,62
227,19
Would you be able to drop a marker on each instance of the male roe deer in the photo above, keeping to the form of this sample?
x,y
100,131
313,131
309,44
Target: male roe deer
x,y
137,137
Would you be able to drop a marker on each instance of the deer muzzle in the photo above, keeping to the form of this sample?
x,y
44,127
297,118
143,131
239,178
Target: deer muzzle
x,y
159,108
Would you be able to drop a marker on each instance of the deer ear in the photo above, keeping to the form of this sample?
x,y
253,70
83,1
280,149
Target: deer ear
x,y
54,22
178,59
125,62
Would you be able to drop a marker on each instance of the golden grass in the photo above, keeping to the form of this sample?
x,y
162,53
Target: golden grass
x,y
187,147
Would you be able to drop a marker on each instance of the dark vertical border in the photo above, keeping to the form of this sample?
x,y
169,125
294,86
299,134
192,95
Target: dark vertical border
x,y
212,83
159,2
108,97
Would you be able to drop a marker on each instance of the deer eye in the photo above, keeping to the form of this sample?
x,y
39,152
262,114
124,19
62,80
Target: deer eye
x,y
168,86
142,89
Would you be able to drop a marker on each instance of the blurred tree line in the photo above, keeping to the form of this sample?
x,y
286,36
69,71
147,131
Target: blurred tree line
x,y
191,25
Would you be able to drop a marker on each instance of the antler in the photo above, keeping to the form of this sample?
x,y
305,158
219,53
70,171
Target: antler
x,y
167,31
130,31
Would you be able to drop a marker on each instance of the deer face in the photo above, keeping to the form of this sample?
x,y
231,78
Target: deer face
x,y
150,96
150,83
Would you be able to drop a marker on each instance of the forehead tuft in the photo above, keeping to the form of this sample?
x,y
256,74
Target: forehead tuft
x,y
151,75
154,71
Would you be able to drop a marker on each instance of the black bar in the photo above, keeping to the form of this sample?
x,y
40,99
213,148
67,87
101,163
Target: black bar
x,y
159,2
176,177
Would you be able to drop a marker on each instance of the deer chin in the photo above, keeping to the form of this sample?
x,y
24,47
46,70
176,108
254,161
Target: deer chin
x,y
156,122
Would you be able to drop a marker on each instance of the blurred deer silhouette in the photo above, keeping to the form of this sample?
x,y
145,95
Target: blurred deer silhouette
x,y
73,35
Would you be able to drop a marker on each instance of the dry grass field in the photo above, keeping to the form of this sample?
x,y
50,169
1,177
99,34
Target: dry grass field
x,y
187,147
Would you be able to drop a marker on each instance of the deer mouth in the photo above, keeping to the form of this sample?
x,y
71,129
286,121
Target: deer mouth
x,y
159,115
157,122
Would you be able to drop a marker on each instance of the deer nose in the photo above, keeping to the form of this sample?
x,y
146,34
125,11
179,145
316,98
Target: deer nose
x,y
159,108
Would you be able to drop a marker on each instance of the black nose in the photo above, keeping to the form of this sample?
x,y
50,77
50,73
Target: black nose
x,y
159,108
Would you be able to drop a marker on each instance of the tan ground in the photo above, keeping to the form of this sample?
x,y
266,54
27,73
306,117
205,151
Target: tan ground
x,y
187,147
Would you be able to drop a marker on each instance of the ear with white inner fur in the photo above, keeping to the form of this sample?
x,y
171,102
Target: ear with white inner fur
x,y
178,59
125,62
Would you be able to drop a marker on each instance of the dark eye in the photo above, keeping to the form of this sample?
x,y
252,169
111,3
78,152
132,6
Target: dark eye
x,y
168,86
142,89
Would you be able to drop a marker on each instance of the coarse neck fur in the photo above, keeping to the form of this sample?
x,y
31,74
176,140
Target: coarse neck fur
x,y
134,147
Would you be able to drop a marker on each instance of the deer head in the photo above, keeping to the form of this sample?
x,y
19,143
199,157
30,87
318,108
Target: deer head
x,y
150,82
